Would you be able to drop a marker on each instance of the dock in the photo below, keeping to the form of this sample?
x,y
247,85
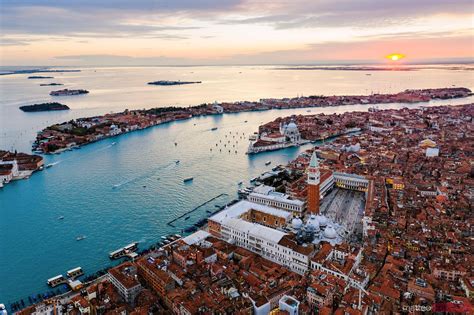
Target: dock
x,y
74,273
55,281
128,250
170,223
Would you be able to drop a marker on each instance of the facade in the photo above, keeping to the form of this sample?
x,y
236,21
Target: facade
x,y
267,195
124,279
313,185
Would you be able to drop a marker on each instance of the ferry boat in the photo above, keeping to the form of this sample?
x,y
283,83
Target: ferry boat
x,y
80,237
74,273
188,179
268,162
213,129
124,251
55,281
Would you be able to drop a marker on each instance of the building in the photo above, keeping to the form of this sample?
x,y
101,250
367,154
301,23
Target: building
x,y
266,195
290,132
124,279
289,304
313,181
155,275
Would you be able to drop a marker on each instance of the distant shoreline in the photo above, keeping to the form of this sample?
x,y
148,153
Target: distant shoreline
x,y
75,133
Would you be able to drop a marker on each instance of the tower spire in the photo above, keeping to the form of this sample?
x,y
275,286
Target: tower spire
x,y
313,183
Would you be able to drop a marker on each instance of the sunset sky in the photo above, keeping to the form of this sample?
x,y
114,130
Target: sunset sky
x,y
188,32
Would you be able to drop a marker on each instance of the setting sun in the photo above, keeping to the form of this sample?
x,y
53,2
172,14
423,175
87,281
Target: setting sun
x,y
395,57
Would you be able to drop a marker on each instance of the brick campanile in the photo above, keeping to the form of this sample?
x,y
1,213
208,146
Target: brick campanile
x,y
313,185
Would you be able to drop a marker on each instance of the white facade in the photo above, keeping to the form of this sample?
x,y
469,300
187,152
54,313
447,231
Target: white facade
x,y
289,304
275,199
351,181
265,242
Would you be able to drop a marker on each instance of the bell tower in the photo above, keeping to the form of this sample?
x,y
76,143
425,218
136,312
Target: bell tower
x,y
313,183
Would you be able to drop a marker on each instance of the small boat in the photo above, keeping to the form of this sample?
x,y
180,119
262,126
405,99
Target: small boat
x,y
240,183
113,143
80,238
177,161
368,74
187,218
188,179
215,128
268,162
245,121
176,143
61,217
163,237
49,165
144,186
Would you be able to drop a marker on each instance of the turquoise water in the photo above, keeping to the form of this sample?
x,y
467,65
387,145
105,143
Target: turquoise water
x,y
35,245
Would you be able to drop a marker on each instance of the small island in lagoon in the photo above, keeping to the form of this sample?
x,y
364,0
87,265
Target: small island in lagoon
x,y
50,84
165,82
68,92
44,107
39,77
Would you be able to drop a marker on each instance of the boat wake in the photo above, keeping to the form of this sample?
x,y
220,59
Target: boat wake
x,y
144,176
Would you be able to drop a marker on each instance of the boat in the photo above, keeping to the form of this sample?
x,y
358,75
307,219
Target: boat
x,y
187,218
254,179
176,143
215,128
240,183
61,217
49,165
113,143
80,238
177,161
144,186
188,179
268,162
245,121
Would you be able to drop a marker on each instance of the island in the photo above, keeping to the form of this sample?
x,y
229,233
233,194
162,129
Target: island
x,y
82,131
163,82
39,77
50,84
44,107
68,92
14,165
30,71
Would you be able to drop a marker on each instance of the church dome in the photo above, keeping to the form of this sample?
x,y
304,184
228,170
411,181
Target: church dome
x,y
330,232
296,223
322,220
291,126
312,223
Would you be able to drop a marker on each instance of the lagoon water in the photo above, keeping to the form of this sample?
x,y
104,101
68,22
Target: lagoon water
x,y
126,189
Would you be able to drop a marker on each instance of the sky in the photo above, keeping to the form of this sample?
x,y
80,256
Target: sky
x,y
214,32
